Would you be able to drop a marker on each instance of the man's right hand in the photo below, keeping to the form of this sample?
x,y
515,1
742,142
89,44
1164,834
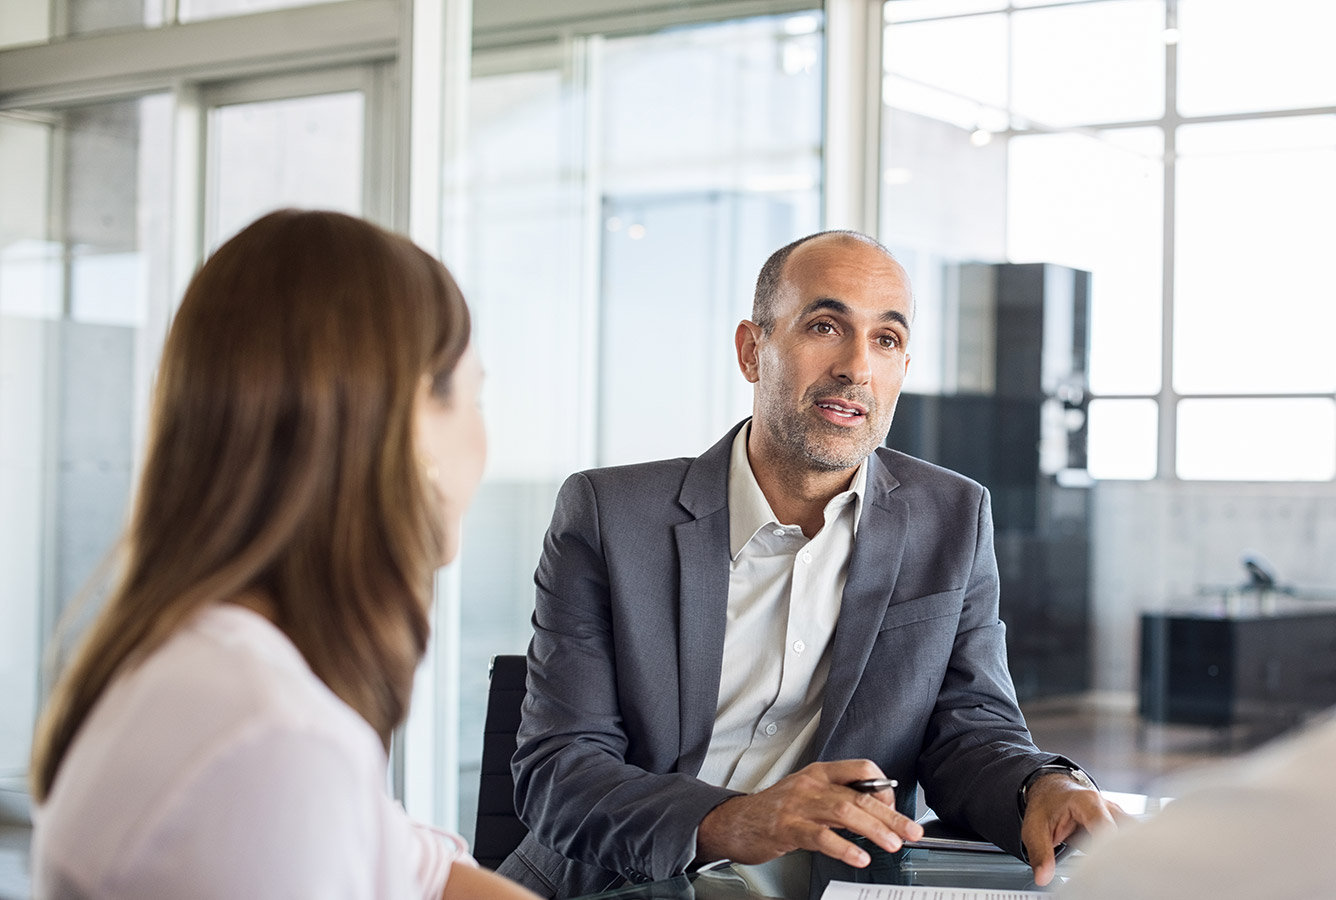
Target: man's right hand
x,y
800,812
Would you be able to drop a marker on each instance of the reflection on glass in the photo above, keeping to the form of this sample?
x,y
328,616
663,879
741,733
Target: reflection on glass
x,y
1255,305
1123,439
83,298
1291,439
1243,55
303,152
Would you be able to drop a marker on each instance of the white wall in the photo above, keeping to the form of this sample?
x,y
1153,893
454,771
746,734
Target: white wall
x,y
1157,542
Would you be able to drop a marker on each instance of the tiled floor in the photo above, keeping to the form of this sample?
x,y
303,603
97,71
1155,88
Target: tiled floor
x,y
1123,753
1102,734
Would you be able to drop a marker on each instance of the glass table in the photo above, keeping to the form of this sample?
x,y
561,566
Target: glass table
x,y
804,876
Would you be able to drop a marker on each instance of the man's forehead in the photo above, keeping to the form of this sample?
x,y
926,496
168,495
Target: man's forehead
x,y
845,268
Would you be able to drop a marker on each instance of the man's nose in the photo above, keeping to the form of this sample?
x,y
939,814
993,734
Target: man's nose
x,y
854,365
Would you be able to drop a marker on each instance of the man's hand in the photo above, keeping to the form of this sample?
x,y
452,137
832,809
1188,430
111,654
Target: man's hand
x,y
800,812
1056,809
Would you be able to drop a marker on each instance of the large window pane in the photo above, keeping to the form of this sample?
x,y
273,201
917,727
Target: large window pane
x,y
1255,304
25,22
943,195
31,21
1123,439
303,152
1094,202
1242,55
621,206
950,70
711,158
83,302
908,10
1257,440
1089,62
190,10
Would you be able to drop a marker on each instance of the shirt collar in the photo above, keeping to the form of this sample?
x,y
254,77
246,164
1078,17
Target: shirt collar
x,y
749,511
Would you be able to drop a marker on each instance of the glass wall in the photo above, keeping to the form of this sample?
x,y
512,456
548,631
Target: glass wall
x,y
83,304
623,197
304,152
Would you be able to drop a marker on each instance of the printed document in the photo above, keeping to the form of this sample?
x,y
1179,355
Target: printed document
x,y
848,890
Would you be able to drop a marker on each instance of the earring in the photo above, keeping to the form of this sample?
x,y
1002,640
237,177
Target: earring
x,y
429,469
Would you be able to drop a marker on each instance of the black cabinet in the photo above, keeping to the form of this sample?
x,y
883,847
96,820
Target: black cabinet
x,y
1013,419
1209,669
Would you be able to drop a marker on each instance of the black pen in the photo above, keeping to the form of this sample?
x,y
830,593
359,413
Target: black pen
x,y
873,785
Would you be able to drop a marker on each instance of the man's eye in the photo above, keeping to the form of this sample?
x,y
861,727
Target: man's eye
x,y
889,341
823,328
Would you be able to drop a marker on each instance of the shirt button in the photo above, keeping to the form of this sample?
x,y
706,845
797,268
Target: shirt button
x,y
771,729
799,646
779,532
807,557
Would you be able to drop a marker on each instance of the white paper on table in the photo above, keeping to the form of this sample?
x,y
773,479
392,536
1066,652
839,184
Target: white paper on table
x,y
849,890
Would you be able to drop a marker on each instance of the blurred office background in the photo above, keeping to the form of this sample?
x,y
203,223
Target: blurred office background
x,y
605,177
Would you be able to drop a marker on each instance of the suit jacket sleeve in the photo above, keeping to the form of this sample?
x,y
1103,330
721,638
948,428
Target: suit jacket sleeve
x,y
977,750
578,786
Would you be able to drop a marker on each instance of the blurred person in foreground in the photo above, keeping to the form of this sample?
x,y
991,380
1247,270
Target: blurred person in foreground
x,y
314,441
1262,825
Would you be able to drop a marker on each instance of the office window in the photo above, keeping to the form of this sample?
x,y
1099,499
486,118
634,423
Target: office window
x,y
1088,62
1094,201
1254,305
39,21
192,10
83,302
301,151
1122,439
1292,439
1030,132
25,22
1252,55
623,196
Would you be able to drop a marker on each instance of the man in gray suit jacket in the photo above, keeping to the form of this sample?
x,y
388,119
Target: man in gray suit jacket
x,y
722,645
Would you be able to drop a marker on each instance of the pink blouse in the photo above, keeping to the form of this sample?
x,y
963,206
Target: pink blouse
x,y
222,767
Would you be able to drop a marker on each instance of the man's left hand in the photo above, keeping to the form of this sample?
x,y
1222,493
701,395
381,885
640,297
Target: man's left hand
x,y
1057,808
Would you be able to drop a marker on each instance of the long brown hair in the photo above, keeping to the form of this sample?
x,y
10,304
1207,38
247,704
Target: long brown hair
x,y
281,461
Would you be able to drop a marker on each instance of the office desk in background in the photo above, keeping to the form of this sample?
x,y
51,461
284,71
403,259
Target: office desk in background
x,y
1219,665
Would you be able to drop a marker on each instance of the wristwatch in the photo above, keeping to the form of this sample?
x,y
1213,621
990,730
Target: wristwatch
x,y
1072,772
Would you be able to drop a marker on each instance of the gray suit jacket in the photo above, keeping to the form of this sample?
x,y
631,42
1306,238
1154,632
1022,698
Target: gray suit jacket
x,y
625,663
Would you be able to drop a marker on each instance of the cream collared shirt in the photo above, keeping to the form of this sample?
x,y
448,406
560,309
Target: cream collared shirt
x,y
784,595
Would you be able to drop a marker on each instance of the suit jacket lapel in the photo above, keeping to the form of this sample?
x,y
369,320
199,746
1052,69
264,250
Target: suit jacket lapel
x,y
873,567
703,566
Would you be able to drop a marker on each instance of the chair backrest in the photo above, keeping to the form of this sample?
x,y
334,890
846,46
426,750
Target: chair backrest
x,y
499,830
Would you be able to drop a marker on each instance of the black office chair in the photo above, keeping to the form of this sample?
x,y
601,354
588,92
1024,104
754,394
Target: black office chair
x,y
499,829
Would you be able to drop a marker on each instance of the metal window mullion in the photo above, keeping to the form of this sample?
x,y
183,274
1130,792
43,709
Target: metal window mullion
x,y
1167,455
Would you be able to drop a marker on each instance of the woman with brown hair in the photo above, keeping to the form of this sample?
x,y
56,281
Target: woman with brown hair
x,y
222,730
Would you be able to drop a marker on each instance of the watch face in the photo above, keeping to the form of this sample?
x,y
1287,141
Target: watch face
x,y
1084,779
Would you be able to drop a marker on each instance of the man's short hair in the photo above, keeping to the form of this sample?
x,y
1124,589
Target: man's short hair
x,y
772,274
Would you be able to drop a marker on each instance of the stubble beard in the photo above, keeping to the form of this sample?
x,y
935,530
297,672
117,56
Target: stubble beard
x,y
799,434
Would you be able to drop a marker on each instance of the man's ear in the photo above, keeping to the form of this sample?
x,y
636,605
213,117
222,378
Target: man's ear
x,y
746,340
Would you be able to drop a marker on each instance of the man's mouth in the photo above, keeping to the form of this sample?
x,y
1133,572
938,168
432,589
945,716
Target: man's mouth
x,y
844,410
